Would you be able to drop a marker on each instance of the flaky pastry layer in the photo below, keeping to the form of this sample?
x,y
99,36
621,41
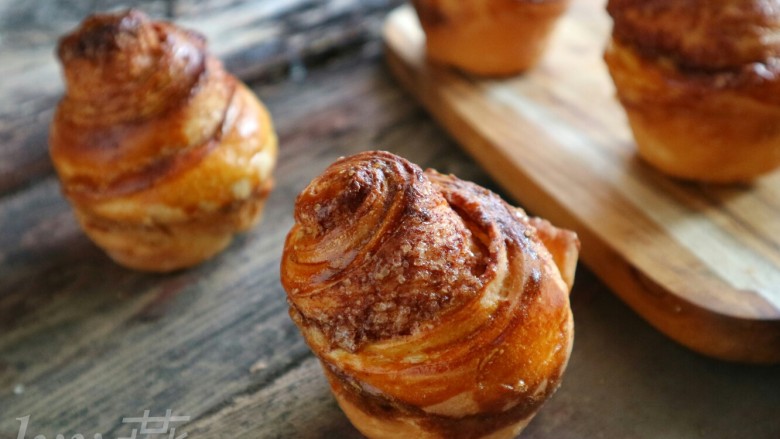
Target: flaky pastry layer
x,y
705,35
163,155
430,301
717,127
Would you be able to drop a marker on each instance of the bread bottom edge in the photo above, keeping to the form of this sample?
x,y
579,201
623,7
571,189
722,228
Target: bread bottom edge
x,y
401,426
170,247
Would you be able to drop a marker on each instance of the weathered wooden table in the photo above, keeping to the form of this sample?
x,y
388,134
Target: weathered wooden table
x,y
85,343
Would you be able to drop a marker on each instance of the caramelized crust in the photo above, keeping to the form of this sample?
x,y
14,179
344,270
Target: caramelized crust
x,y
700,84
138,94
704,35
162,153
430,301
379,242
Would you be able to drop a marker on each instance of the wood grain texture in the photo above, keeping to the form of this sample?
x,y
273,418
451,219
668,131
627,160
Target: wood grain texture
x,y
71,319
701,263
84,342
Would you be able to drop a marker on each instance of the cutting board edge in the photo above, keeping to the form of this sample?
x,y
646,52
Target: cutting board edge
x,y
710,331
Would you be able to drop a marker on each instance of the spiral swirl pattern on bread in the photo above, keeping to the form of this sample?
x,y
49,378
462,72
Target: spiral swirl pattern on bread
x,y
429,300
163,154
700,34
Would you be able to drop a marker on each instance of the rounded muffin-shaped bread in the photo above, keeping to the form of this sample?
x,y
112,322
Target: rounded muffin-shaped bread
x,y
436,309
699,83
488,37
163,155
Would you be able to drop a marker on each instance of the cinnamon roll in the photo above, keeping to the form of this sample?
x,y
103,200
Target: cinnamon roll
x,y
699,83
488,37
162,153
436,309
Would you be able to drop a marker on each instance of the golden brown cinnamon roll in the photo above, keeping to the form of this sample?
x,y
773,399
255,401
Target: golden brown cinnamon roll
x,y
699,82
488,37
163,155
436,308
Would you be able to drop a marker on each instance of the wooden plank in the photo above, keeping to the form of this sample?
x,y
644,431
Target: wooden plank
x,y
618,365
84,342
90,342
701,263
307,412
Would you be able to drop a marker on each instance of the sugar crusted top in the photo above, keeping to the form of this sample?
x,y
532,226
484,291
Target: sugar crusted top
x,y
705,35
378,252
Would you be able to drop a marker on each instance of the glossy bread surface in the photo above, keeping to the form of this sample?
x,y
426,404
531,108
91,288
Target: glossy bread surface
x,y
699,83
429,300
162,153
700,34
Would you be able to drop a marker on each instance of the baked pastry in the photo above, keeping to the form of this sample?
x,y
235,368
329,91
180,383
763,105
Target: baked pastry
x,y
488,37
162,153
699,82
435,308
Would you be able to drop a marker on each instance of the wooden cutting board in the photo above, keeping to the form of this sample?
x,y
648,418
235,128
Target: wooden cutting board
x,y
700,262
